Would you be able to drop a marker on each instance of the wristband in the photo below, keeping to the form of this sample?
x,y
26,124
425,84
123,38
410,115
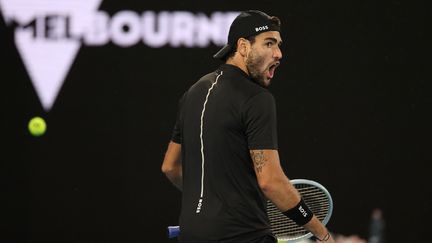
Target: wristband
x,y
301,214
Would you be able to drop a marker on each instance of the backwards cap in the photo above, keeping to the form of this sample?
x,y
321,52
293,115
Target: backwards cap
x,y
246,24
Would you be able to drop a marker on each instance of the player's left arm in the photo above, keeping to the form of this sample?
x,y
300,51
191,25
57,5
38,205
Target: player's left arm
x,y
172,164
277,188
272,180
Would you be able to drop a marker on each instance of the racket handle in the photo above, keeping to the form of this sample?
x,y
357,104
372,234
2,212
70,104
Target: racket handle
x,y
173,231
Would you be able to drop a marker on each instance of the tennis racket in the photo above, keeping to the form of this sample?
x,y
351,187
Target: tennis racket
x,y
316,197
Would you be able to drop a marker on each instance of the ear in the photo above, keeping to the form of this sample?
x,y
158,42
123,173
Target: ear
x,y
243,46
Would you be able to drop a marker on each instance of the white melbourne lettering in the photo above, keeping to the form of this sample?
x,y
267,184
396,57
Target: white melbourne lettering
x,y
265,27
48,35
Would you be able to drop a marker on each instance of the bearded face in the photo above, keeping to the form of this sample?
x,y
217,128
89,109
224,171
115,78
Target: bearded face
x,y
254,65
263,57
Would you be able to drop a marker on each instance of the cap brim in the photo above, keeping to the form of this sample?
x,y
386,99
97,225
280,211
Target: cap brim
x,y
222,52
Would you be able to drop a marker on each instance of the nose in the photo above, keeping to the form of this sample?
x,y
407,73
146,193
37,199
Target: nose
x,y
277,53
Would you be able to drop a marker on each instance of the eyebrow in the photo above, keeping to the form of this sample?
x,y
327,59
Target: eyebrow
x,y
273,39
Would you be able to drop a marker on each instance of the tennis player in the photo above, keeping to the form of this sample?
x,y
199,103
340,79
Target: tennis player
x,y
223,153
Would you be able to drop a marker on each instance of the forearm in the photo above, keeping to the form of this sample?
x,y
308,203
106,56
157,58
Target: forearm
x,y
288,198
281,192
172,164
284,195
176,177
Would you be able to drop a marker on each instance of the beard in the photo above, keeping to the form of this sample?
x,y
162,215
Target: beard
x,y
254,63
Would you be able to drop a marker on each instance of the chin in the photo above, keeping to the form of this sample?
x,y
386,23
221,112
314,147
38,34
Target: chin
x,y
266,83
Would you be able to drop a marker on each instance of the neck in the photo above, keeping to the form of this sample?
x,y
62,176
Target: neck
x,y
238,62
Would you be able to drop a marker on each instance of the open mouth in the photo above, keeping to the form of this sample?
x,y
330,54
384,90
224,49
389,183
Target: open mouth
x,y
272,69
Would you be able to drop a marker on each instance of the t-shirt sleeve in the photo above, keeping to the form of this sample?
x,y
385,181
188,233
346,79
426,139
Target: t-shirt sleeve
x,y
177,131
259,115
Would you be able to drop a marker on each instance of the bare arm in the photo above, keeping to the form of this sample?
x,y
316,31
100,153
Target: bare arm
x,y
172,165
277,187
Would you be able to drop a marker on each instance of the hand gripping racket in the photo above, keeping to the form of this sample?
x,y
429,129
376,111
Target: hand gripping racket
x,y
316,197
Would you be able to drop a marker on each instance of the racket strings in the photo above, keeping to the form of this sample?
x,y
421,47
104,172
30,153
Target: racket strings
x,y
286,229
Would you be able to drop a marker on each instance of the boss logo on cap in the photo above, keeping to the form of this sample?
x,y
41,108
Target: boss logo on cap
x,y
265,27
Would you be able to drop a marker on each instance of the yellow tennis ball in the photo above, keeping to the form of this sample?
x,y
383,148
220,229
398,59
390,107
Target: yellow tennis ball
x,y
37,126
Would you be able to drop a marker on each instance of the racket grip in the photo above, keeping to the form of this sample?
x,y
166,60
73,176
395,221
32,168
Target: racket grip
x,y
173,231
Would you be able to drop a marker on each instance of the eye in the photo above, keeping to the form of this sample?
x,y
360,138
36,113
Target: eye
x,y
269,44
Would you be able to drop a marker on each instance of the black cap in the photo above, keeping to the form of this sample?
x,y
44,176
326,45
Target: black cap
x,y
246,24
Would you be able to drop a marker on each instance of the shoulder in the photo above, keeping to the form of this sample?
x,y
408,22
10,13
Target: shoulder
x,y
243,86
260,98
204,80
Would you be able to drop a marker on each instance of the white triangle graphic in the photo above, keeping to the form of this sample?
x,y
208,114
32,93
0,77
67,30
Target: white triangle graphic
x,y
47,64
48,60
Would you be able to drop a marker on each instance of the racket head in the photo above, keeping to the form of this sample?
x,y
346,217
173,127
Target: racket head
x,y
316,197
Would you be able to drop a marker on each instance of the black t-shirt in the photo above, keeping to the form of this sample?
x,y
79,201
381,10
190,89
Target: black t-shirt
x,y
221,117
